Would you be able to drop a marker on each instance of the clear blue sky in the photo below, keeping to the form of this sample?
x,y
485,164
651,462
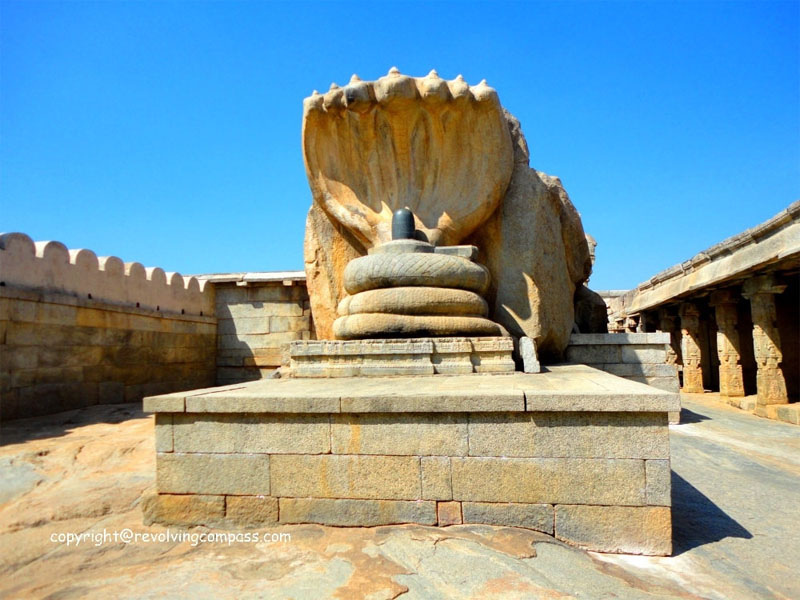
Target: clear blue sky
x,y
169,133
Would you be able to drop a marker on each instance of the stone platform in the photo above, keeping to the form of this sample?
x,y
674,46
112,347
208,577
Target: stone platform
x,y
573,452
416,356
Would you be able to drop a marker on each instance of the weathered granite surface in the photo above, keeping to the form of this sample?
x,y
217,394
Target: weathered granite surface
x,y
735,479
415,301
536,213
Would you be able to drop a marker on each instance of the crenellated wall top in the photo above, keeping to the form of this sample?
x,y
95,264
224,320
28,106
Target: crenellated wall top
x,y
52,267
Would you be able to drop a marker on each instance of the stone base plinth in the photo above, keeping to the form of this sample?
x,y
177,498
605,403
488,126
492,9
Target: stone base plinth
x,y
422,356
789,413
573,452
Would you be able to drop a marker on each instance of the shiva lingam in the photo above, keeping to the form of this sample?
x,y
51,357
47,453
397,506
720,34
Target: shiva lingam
x,y
410,288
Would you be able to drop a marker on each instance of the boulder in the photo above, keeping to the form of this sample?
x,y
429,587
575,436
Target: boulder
x,y
536,251
327,249
591,312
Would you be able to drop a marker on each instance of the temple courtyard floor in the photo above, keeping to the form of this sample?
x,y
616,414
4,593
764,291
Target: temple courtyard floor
x,y
736,528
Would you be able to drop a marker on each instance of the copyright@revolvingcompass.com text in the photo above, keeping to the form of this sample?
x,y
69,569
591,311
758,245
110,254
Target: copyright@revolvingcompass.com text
x,y
128,536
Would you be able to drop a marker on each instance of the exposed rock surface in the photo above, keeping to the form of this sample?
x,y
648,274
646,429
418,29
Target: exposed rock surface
x,y
327,249
591,312
735,483
536,252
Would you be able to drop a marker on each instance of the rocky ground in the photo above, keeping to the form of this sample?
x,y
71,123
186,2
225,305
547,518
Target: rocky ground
x,y
736,496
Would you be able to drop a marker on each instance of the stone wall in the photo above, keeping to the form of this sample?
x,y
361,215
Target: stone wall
x,y
640,357
258,313
555,452
77,330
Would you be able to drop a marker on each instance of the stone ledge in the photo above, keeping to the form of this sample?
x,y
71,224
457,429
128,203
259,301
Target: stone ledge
x,y
788,413
563,388
389,357
620,529
639,370
597,339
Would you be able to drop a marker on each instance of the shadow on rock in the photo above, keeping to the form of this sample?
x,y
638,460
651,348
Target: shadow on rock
x,y
58,424
696,520
687,416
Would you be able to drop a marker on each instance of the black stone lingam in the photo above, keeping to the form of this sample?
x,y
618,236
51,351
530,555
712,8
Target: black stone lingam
x,y
403,224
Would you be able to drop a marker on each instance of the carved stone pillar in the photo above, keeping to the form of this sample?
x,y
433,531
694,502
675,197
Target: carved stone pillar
x,y
766,341
668,323
690,349
731,381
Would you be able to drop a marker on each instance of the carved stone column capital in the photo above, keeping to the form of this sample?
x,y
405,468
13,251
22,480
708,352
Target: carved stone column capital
x,y
720,297
763,284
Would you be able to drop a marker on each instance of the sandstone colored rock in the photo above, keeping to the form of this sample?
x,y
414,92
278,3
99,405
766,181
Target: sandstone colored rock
x,y
415,301
243,474
626,529
448,513
186,510
415,356
532,240
571,435
327,249
115,463
591,312
436,478
345,476
531,290
384,325
251,511
440,148
549,480
243,433
163,427
403,434
659,485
